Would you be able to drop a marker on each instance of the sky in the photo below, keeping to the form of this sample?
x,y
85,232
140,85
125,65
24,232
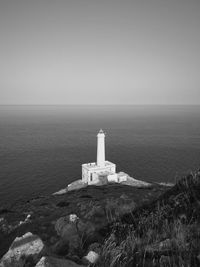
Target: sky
x,y
97,52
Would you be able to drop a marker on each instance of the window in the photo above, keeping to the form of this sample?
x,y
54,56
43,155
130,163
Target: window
x,y
90,177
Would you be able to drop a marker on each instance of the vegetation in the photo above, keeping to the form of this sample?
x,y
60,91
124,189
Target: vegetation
x,y
165,232
127,226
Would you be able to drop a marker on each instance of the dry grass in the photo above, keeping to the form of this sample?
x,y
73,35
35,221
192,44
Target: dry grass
x,y
164,233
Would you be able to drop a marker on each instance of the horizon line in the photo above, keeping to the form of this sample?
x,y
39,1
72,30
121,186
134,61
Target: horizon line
x,y
185,104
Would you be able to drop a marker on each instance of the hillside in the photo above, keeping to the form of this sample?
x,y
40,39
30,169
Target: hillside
x,y
165,232
122,225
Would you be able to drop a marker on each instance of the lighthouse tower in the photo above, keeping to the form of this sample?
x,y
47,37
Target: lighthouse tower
x,y
101,149
99,171
102,171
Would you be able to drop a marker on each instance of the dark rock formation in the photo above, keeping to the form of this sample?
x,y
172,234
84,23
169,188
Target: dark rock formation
x,y
25,249
73,225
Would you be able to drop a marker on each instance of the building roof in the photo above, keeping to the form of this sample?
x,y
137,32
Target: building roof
x,y
94,165
101,131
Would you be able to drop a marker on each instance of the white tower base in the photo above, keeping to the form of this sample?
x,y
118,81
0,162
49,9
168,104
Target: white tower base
x,y
102,170
92,173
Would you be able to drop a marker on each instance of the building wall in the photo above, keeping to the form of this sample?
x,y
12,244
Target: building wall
x,y
94,178
113,168
85,174
89,170
122,177
113,178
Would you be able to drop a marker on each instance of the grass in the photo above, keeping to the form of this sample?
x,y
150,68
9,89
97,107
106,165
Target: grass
x,y
134,227
166,232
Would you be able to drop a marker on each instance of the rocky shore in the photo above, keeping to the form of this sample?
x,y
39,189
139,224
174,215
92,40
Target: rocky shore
x,y
110,225
71,226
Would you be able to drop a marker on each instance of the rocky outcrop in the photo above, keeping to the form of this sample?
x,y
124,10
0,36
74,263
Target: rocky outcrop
x,y
78,184
55,262
7,228
25,249
54,219
61,192
136,183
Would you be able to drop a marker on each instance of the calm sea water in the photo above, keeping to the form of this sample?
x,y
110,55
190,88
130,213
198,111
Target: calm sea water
x,y
42,147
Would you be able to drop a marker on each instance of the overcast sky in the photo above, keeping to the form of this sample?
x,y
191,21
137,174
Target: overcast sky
x,y
99,52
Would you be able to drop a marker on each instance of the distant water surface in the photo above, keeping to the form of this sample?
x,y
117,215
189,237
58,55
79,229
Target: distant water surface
x,y
42,147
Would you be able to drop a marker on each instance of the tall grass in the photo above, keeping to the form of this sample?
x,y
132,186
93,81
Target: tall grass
x,y
164,233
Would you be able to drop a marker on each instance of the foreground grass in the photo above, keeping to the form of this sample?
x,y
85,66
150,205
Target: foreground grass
x,y
165,232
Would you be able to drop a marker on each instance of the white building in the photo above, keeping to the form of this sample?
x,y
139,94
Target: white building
x,y
102,171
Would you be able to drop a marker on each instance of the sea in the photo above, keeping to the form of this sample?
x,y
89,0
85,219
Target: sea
x,y
42,147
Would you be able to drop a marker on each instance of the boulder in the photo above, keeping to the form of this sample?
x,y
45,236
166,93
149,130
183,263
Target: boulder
x,y
91,258
55,262
25,249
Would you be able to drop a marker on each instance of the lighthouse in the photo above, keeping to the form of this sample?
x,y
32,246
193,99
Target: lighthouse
x,y
101,170
101,149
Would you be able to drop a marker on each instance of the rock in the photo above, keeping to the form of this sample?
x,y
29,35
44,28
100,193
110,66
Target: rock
x,y
5,227
91,258
24,249
55,262
28,217
136,183
73,218
166,184
61,192
78,184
